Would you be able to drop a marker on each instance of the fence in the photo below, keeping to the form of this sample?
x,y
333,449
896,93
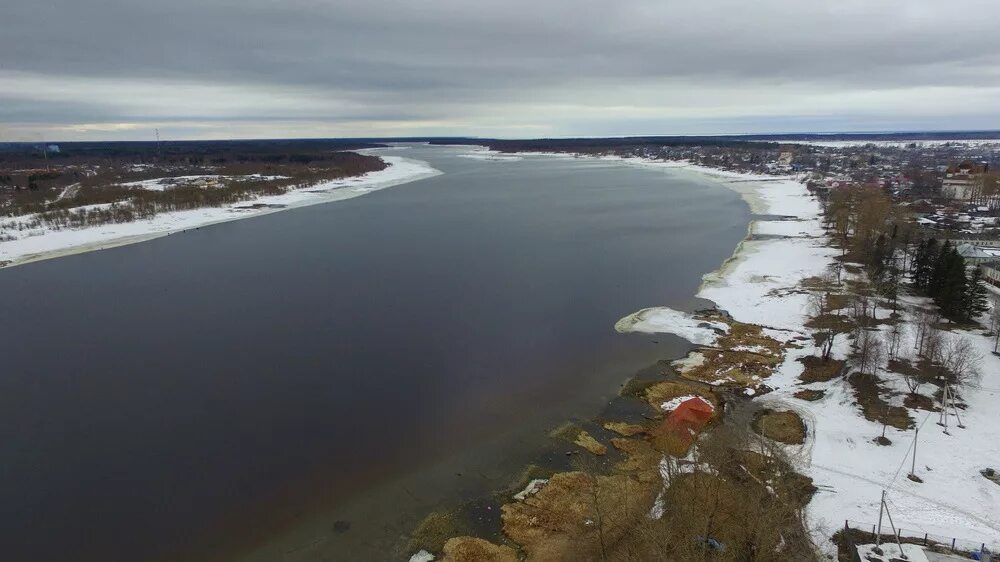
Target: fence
x,y
973,550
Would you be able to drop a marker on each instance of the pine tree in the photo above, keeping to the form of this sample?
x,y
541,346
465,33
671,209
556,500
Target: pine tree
x,y
976,299
878,258
929,255
950,293
939,270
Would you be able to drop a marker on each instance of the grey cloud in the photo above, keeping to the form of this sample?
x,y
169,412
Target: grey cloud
x,y
399,61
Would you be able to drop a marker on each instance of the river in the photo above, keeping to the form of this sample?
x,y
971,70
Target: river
x,y
316,380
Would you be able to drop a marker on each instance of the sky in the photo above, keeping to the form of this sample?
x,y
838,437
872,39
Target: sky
x,y
219,69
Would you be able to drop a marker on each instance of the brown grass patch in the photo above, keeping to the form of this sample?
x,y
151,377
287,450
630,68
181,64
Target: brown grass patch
x,y
641,459
576,516
471,549
665,391
743,357
810,395
782,426
919,402
837,323
817,370
624,429
868,393
587,441
434,531
741,514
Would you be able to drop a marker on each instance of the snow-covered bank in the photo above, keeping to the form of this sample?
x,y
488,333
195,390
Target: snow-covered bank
x,y
19,245
762,284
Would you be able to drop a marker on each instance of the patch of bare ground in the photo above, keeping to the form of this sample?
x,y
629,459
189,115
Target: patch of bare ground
x,y
809,394
434,531
579,437
951,326
641,459
868,394
471,549
829,322
577,516
782,426
917,401
587,441
665,391
624,429
922,372
741,358
818,370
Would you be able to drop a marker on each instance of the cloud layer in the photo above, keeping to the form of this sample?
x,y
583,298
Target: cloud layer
x,y
262,68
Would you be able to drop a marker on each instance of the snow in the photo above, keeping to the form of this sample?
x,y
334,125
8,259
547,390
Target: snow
x,y
162,184
21,246
891,551
491,155
674,403
670,321
422,556
531,489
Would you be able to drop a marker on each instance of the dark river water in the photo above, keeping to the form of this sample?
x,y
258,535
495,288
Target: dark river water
x,y
230,392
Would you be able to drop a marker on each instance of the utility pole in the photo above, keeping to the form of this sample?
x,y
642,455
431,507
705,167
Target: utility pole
x,y
913,465
157,144
881,510
943,418
955,409
884,508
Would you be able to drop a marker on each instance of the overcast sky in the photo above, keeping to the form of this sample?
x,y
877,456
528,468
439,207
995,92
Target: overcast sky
x,y
117,69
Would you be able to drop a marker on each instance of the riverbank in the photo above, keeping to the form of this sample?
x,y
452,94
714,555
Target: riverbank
x,y
787,260
24,246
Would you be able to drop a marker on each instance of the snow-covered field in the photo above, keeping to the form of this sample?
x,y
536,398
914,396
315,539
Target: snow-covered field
x,y
760,285
19,245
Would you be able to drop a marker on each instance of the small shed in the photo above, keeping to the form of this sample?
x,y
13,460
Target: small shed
x,y
690,416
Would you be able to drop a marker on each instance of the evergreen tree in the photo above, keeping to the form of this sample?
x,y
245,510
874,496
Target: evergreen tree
x,y
976,299
924,265
939,269
918,263
950,293
878,258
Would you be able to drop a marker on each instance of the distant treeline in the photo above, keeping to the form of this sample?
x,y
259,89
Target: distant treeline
x,y
587,145
171,151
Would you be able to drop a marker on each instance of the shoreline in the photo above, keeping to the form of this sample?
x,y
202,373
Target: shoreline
x,y
52,244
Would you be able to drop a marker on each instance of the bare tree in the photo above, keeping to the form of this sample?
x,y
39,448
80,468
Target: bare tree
x,y
933,346
961,359
924,326
894,337
995,314
870,352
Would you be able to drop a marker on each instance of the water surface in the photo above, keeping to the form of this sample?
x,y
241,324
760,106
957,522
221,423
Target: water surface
x,y
363,361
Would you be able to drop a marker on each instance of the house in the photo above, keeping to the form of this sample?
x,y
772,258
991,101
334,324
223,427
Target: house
x,y
960,181
991,272
975,255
